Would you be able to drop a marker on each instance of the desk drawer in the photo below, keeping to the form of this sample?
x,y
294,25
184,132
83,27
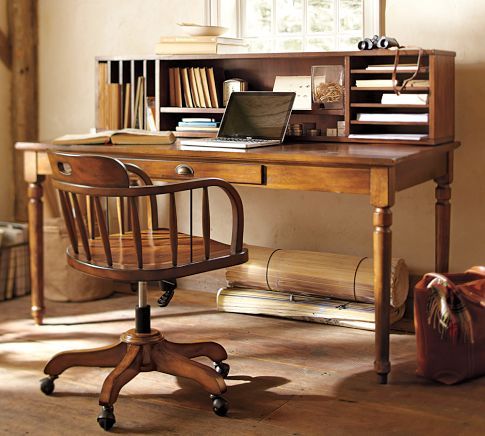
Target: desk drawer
x,y
183,170
325,179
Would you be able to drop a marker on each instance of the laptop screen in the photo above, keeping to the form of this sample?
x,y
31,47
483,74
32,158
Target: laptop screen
x,y
257,114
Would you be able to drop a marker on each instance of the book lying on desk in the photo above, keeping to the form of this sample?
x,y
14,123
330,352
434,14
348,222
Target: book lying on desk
x,y
122,137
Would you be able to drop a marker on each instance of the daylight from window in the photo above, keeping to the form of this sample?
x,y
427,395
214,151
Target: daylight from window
x,y
302,25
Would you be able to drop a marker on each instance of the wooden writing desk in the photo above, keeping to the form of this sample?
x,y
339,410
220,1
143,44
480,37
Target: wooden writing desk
x,y
375,170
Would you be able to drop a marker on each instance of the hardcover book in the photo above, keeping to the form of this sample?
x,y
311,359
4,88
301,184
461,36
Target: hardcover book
x,y
118,137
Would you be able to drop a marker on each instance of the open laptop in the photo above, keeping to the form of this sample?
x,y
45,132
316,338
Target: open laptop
x,y
251,119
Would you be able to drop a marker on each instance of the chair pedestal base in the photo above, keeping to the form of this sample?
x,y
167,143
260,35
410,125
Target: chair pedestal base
x,y
137,353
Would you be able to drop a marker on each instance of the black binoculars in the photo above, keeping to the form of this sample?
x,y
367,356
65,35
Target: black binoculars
x,y
377,42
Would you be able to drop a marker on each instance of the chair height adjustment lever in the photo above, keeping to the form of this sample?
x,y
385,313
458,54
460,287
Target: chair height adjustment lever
x,y
168,287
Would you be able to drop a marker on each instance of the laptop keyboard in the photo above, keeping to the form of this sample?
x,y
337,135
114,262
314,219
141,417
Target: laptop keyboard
x,y
248,140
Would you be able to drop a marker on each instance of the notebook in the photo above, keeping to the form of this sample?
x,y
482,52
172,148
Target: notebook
x,y
251,119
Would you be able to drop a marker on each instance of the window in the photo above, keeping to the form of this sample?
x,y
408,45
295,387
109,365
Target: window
x,y
298,25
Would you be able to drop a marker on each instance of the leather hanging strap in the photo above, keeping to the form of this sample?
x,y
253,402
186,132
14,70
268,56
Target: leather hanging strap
x,y
398,89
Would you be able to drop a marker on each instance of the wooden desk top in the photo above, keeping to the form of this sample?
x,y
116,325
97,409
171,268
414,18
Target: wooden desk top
x,y
317,154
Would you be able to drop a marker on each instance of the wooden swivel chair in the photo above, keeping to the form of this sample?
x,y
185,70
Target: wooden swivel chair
x,y
137,254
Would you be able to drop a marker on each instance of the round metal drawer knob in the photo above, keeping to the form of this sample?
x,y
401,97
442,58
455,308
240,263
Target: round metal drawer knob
x,y
184,170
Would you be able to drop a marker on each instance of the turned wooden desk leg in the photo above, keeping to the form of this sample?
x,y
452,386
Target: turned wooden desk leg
x,y
36,241
442,224
442,216
382,221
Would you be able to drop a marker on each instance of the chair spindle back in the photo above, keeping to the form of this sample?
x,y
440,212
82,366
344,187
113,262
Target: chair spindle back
x,y
83,181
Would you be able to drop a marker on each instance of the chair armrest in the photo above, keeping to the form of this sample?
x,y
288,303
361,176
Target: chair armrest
x,y
134,169
186,185
229,190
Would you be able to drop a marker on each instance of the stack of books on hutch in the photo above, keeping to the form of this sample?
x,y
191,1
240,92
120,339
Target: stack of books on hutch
x,y
197,125
200,45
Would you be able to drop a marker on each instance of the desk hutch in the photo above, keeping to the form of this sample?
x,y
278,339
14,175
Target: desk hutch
x,y
259,70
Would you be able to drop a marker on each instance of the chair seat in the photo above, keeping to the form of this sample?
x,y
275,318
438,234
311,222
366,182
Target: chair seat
x,y
157,258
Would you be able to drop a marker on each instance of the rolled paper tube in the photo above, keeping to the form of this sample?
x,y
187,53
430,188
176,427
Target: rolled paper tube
x,y
325,274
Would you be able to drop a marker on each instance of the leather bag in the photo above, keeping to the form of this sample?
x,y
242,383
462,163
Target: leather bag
x,y
449,317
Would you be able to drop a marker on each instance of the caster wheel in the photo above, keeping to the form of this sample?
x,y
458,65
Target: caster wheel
x,y
47,385
222,368
106,418
220,406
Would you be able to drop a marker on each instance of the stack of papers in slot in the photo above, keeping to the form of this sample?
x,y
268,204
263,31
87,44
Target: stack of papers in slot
x,y
390,67
375,83
389,136
418,83
388,117
417,99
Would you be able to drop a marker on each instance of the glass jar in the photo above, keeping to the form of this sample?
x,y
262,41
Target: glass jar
x,y
328,86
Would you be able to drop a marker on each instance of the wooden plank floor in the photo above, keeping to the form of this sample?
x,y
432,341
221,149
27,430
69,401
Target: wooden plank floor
x,y
287,377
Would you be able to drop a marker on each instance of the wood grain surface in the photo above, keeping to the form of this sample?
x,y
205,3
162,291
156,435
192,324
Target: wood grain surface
x,y
297,153
287,377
